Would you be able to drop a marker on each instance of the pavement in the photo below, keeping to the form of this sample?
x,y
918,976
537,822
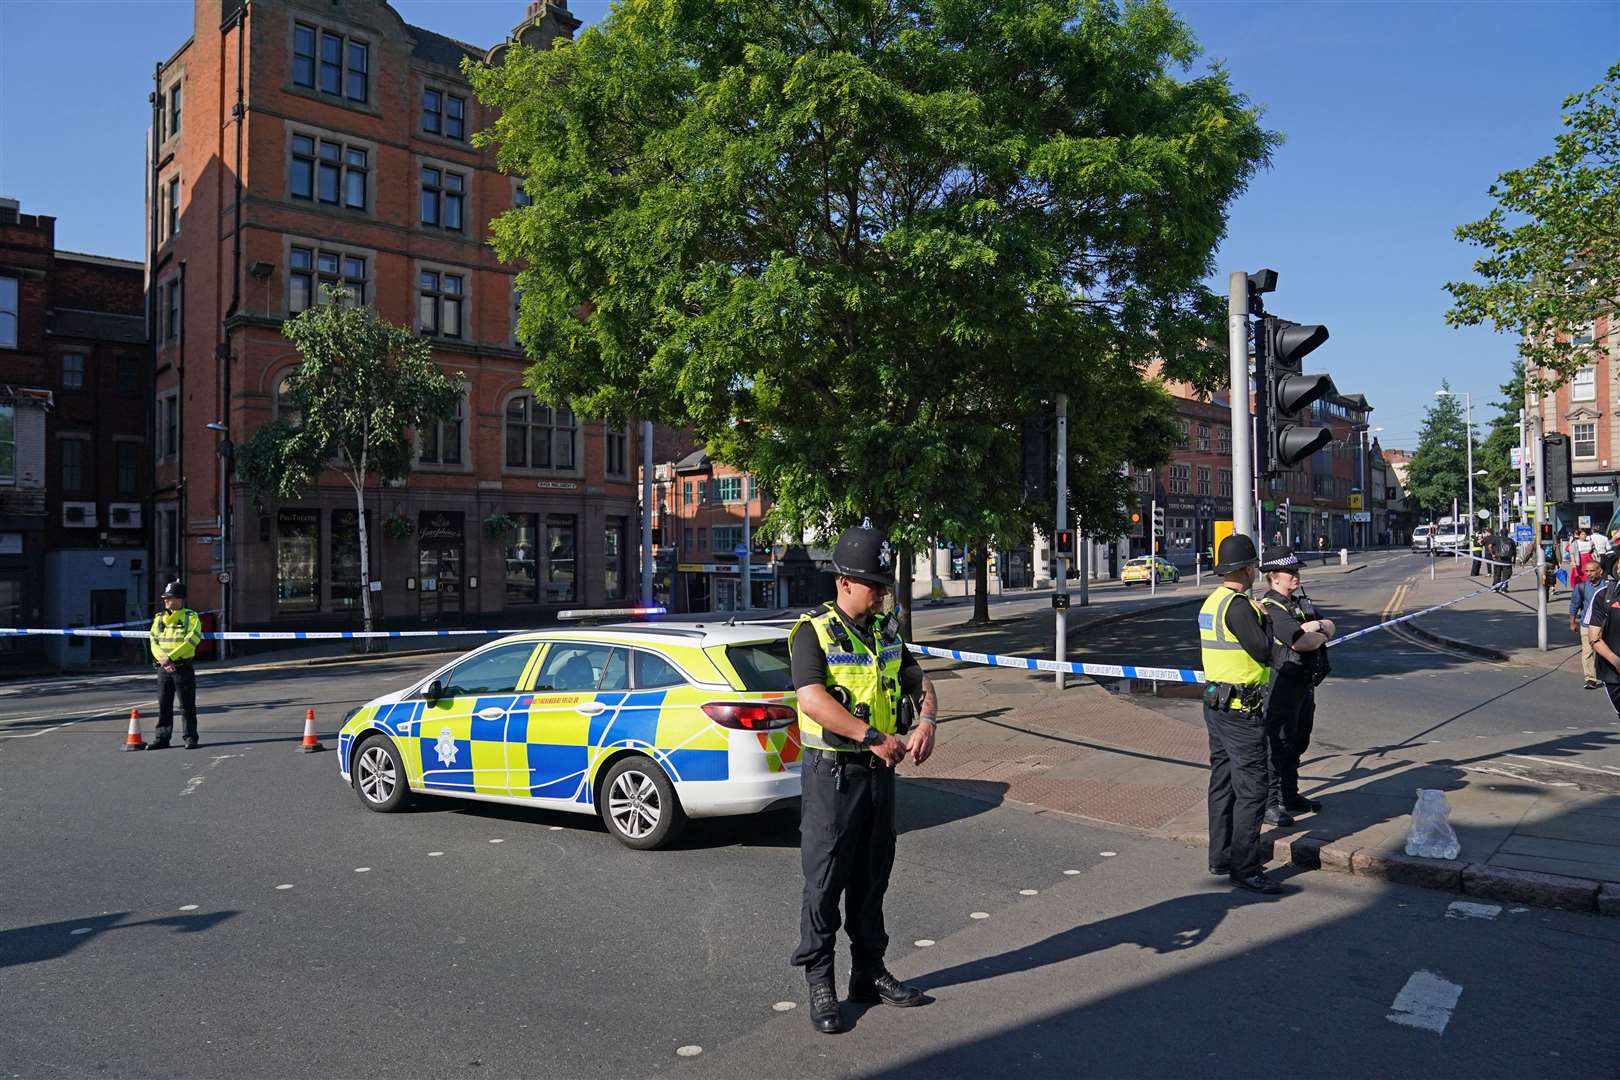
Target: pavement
x,y
1538,818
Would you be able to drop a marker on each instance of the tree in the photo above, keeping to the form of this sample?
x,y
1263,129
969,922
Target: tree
x,y
853,245
1495,455
1552,267
1439,469
360,388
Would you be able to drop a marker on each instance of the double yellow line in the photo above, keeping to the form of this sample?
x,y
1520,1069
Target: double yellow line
x,y
1397,601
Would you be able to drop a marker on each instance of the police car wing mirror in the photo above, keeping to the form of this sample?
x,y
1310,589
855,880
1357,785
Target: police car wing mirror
x,y
434,691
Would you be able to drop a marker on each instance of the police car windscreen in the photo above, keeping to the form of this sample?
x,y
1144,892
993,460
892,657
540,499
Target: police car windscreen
x,y
763,665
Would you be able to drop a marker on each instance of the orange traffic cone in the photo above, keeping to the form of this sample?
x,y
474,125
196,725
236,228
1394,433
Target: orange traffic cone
x,y
311,743
132,741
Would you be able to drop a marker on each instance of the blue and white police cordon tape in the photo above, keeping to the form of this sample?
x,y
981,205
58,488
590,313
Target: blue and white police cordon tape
x,y
1030,663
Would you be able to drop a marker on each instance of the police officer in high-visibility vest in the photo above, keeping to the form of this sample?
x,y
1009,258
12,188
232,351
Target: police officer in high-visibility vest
x,y
1236,646
1299,658
858,689
176,632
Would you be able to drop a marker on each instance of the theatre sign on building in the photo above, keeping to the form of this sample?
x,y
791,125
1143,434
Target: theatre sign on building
x,y
298,144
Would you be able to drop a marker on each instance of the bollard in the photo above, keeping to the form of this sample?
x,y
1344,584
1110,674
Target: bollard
x,y
1344,556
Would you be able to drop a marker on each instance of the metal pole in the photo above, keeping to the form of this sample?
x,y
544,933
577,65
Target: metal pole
x,y
1061,587
1457,535
1153,550
646,513
1540,516
1524,471
221,653
1468,434
1237,344
748,553
1085,568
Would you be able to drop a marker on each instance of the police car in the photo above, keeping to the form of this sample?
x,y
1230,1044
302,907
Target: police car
x,y
645,725
1145,567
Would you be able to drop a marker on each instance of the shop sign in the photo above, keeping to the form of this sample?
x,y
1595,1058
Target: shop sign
x,y
440,527
556,485
706,568
1593,489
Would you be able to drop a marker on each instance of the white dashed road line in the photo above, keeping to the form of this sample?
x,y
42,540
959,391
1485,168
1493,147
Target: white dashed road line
x,y
1425,1002
689,1051
785,1006
1462,909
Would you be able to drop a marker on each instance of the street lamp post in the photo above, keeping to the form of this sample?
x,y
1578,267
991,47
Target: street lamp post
x,y
1468,437
1361,481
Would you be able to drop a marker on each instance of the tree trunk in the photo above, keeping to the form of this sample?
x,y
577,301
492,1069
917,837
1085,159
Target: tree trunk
x,y
981,583
903,578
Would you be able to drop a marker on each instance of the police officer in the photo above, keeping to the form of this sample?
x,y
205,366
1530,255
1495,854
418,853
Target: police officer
x,y
1299,660
1601,624
176,631
1236,644
857,687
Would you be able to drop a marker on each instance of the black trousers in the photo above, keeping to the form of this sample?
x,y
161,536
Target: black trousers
x,y
846,846
1613,690
1290,716
1500,575
1237,789
182,680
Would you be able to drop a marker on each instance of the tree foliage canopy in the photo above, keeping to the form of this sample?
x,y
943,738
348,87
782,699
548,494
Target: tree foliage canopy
x,y
1496,455
1552,242
852,244
1439,469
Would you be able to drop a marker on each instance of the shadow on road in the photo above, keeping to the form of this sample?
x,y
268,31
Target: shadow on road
x,y
51,941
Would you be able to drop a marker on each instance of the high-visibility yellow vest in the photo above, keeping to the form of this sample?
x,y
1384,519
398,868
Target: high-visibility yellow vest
x,y
175,634
1224,658
871,679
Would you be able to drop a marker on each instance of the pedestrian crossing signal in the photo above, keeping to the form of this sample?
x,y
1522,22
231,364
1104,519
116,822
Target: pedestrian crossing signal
x,y
1064,540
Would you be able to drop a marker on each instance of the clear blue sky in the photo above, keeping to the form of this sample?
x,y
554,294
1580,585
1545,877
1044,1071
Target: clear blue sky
x,y
1398,115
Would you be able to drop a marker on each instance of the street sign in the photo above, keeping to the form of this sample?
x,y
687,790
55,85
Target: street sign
x,y
1515,456
1361,515
225,578
1355,502
1524,534
1584,521
739,551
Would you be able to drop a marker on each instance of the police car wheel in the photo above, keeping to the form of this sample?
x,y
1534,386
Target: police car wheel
x,y
638,804
379,775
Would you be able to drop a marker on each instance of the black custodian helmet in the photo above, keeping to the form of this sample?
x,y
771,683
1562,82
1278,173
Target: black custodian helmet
x,y
176,589
863,554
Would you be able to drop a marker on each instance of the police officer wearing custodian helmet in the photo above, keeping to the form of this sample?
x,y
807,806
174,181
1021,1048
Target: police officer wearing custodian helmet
x,y
1235,641
176,631
857,688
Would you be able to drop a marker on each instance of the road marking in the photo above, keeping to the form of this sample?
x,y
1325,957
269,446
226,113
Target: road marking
x,y
1567,764
280,888
1108,854
1462,909
497,840
110,711
434,854
188,907
689,1051
1029,892
1070,873
1425,1002
362,869
785,1006
923,942
81,930
978,914
193,784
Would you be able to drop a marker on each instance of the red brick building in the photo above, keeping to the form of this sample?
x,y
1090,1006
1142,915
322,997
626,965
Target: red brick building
x,y
1587,410
75,460
299,143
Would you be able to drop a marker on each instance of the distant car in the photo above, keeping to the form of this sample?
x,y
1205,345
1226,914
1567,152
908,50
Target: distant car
x,y
645,725
1422,537
1145,567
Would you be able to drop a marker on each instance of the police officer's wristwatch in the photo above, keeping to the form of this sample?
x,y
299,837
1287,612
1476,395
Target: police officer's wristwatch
x,y
872,737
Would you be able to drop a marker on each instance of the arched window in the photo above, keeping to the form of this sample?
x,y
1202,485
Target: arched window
x,y
540,437
286,409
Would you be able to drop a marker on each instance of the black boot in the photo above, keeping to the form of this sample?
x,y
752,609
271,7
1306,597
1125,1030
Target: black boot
x,y
869,988
1299,804
824,1014
1276,815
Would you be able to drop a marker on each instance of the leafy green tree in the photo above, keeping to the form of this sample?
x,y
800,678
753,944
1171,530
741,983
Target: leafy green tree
x,y
1552,262
362,386
853,244
1439,469
1495,456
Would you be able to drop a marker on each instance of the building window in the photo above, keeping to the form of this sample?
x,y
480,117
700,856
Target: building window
x,y
441,440
1181,479
1584,386
304,55
1585,335
728,489
1181,434
8,312
443,195
703,540
523,560
298,560
311,268
1144,481
168,426
1203,480
1223,439
686,500
171,310
73,371
340,67
359,69
286,408
521,196
8,444
1224,482
129,375
168,537
127,457
346,558
538,436
444,114
172,202
1203,437
72,452
560,555
701,485
438,304
329,172
686,538
174,110
753,488
618,452
615,579
727,537
1585,439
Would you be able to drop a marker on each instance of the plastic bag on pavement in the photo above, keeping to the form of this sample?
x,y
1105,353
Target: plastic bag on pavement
x,y
1431,835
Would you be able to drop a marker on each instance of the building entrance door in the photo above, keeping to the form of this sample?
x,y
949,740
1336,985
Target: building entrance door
x,y
439,558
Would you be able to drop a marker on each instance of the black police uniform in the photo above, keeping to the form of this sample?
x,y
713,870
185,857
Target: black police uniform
x,y
1603,611
1291,700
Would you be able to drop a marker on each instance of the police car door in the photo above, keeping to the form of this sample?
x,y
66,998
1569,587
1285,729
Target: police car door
x,y
568,717
462,735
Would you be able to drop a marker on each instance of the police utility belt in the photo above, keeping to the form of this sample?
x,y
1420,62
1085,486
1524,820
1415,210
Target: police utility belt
x,y
1233,697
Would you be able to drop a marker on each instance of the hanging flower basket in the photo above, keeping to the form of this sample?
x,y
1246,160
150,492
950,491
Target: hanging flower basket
x,y
499,526
398,527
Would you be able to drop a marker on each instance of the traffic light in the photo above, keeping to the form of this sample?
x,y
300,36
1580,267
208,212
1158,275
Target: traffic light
x,y
1546,532
1286,393
1064,541
1282,515
1556,450
1158,521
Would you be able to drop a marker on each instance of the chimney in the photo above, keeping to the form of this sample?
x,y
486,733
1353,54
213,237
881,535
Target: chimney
x,y
8,210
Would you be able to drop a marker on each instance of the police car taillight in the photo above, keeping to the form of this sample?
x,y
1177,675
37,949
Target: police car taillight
x,y
750,717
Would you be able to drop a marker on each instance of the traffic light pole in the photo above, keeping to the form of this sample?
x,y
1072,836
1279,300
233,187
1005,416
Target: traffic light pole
x,y
1536,441
1060,589
1237,342
1153,550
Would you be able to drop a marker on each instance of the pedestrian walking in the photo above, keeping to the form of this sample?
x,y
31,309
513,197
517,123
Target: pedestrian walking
x,y
1601,624
1298,640
1235,642
1321,547
176,632
857,686
1505,549
1580,598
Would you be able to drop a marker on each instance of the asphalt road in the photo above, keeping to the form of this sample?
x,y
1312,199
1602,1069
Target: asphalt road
x,y
235,911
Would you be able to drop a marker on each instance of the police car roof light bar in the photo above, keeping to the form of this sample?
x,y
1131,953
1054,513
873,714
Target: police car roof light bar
x,y
612,613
